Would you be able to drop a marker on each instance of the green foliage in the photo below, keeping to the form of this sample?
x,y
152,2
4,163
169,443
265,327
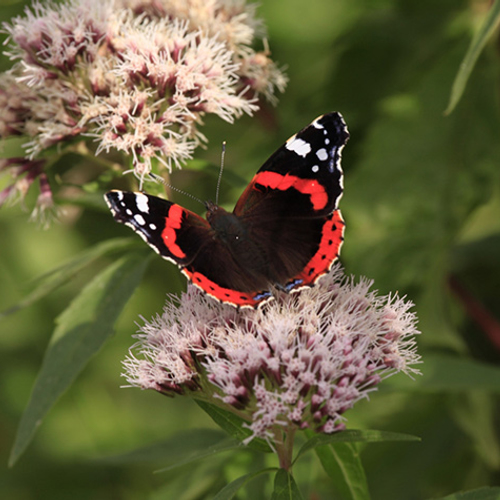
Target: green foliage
x,y
342,463
12,147
81,331
285,487
353,436
477,45
232,488
479,494
422,205
183,448
57,277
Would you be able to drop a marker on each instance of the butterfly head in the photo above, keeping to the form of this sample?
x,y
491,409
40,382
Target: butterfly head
x,y
214,211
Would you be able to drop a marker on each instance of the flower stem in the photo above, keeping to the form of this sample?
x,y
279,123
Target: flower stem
x,y
284,448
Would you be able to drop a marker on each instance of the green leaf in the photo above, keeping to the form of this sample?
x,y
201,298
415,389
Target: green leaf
x,y
342,463
195,481
479,494
475,412
285,487
443,373
475,48
353,436
232,488
12,147
53,279
178,450
233,425
80,332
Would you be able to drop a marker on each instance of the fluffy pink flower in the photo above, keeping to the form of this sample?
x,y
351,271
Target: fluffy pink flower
x,y
300,361
137,80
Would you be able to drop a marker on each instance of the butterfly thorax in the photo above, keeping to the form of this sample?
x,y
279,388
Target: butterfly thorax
x,y
233,233
226,225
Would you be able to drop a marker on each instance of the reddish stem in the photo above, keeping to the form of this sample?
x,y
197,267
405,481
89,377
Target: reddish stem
x,y
477,312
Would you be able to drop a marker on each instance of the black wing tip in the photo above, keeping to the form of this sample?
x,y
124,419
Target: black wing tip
x,y
112,198
112,195
337,120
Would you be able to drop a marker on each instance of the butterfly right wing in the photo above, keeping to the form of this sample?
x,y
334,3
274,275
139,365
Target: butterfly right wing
x,y
291,204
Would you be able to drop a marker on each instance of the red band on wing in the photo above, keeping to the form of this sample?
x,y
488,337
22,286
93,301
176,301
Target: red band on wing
x,y
310,187
240,299
327,254
173,221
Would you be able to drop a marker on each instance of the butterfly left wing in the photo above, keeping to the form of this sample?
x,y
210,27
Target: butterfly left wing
x,y
291,204
188,240
166,227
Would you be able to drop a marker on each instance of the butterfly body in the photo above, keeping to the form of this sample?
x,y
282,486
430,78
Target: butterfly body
x,y
284,232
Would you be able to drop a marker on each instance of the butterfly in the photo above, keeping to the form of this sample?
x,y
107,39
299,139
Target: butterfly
x,y
284,233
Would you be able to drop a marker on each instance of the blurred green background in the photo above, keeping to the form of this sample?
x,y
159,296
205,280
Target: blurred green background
x,y
422,207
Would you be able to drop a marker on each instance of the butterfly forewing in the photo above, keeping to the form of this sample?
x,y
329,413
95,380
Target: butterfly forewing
x,y
309,163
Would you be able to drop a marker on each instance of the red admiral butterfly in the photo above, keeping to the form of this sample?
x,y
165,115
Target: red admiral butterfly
x,y
284,232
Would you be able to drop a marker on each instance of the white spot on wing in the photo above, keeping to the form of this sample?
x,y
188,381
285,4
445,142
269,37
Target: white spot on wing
x,y
140,219
142,203
299,146
322,154
315,168
119,195
152,226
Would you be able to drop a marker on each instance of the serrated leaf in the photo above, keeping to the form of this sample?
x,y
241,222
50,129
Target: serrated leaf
x,y
479,494
353,436
285,487
233,425
342,463
232,488
81,331
55,278
476,46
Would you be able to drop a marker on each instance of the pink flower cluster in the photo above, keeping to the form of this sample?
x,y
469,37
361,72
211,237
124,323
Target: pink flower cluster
x,y
300,361
136,76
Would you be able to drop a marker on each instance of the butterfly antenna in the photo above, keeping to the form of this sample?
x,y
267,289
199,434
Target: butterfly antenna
x,y
173,188
223,154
